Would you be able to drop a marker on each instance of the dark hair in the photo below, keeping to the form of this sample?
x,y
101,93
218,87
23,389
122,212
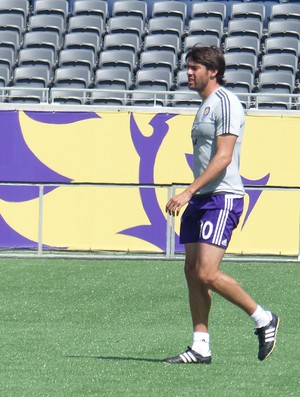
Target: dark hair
x,y
211,57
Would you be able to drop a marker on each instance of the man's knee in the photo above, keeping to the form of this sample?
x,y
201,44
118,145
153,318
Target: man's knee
x,y
195,272
206,276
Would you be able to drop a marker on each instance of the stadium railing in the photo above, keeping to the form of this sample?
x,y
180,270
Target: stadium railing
x,y
159,99
169,253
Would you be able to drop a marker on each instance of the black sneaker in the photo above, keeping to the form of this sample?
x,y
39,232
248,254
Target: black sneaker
x,y
188,357
267,337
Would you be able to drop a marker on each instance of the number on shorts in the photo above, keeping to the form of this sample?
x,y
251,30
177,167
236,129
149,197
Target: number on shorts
x,y
206,229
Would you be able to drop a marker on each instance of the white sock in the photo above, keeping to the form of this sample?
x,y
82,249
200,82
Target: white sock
x,y
261,317
201,343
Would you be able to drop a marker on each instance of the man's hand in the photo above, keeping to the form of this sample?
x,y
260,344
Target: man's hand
x,y
175,204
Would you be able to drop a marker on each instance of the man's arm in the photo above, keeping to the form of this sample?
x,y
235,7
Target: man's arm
x,y
220,161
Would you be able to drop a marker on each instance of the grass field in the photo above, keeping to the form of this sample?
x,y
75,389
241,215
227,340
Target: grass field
x,y
100,328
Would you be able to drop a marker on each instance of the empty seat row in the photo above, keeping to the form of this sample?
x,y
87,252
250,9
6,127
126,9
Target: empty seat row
x,y
154,60
245,40
157,51
149,86
185,10
135,27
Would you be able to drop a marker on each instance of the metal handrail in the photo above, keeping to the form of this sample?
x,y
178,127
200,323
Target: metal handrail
x,y
85,96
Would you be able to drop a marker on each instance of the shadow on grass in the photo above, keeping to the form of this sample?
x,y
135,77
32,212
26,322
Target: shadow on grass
x,y
115,358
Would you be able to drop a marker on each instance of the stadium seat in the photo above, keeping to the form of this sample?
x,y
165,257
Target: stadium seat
x,y
119,78
10,39
121,24
253,10
277,45
84,40
165,42
86,23
169,8
51,7
209,10
243,80
43,40
77,57
200,40
33,76
284,62
161,79
72,77
171,25
152,80
18,7
117,59
122,41
285,11
135,8
284,80
275,82
48,23
289,28
245,27
70,84
241,60
205,26
249,44
98,8
158,59
12,22
37,56
110,86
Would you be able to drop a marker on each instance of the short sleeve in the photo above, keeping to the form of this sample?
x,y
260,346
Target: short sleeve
x,y
229,114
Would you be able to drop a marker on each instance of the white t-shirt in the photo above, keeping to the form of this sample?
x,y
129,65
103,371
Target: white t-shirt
x,y
220,113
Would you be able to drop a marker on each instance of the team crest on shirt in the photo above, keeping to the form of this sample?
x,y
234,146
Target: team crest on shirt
x,y
206,112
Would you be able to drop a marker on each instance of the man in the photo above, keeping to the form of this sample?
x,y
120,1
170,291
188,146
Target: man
x,y
215,200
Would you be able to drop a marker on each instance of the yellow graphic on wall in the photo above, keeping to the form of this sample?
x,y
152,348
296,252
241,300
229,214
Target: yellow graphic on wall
x,y
106,177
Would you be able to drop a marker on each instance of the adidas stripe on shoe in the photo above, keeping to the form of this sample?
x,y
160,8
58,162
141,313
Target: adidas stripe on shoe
x,y
188,357
267,338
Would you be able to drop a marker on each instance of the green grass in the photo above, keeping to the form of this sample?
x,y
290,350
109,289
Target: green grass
x,y
100,328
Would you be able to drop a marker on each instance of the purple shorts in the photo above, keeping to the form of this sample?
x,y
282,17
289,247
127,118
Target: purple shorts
x,y
211,219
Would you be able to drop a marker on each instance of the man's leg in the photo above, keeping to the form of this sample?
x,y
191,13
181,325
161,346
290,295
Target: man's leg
x,y
208,263
199,294
209,258
203,274
200,302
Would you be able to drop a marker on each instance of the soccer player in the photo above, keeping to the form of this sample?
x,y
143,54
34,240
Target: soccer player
x,y
215,204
